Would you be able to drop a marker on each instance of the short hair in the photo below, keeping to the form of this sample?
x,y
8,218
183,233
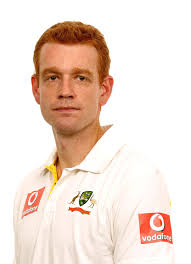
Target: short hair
x,y
73,32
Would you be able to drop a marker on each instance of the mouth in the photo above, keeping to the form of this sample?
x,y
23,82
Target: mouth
x,y
66,109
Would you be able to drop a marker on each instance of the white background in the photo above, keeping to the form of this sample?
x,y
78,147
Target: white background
x,y
150,48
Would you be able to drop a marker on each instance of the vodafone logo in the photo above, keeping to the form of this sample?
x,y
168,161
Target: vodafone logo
x,y
32,202
152,222
32,198
155,227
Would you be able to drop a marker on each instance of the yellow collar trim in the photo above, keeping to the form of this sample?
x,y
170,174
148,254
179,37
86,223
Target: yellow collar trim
x,y
52,169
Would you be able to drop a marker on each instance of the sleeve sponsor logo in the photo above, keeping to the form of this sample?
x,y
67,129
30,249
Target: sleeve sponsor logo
x,y
32,202
155,227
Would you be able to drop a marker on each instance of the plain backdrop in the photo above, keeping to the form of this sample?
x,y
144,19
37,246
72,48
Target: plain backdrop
x,y
150,49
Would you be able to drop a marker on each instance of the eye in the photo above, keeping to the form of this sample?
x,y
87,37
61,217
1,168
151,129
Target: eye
x,y
52,78
81,78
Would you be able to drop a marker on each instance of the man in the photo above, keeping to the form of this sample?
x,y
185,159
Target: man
x,y
94,200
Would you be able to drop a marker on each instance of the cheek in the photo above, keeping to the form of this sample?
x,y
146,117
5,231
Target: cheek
x,y
45,103
46,96
92,101
90,96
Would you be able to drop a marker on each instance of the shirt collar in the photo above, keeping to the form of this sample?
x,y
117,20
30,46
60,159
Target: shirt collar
x,y
100,155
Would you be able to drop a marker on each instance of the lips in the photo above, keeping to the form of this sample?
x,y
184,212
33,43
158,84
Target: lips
x,y
66,109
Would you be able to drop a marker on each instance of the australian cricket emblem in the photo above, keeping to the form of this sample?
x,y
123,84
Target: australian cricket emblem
x,y
85,200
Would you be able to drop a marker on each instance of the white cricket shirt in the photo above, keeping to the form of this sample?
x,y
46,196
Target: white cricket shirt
x,y
111,208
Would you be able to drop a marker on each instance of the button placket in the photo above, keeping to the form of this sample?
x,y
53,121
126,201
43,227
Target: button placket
x,y
50,209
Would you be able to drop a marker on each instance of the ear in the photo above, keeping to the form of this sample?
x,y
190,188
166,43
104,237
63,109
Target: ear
x,y
35,88
106,89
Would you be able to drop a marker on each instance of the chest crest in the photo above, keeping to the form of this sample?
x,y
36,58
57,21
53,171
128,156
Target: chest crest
x,y
83,202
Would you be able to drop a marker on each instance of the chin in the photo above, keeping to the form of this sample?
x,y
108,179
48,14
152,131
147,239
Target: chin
x,y
70,128
66,129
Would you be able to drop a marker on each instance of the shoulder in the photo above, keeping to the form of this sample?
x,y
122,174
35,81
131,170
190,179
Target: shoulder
x,y
138,174
141,187
33,178
133,163
138,166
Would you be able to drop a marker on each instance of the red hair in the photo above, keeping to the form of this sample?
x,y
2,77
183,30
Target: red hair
x,y
71,32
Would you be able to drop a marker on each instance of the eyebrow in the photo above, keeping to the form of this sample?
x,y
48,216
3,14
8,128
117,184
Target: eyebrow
x,y
75,70
81,71
49,70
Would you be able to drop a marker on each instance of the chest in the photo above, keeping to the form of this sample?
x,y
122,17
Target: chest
x,y
74,218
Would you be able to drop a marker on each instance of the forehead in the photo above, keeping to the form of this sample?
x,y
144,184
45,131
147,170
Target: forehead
x,y
68,56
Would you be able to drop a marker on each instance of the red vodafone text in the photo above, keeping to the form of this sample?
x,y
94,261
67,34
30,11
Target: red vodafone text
x,y
32,202
155,227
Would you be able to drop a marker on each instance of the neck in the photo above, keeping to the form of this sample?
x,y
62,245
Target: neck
x,y
72,149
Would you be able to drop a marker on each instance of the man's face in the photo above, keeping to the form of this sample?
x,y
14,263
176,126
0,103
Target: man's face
x,y
69,91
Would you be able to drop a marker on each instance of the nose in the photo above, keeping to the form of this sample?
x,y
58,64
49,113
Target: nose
x,y
65,89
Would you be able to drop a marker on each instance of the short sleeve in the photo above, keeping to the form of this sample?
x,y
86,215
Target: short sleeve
x,y
141,220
